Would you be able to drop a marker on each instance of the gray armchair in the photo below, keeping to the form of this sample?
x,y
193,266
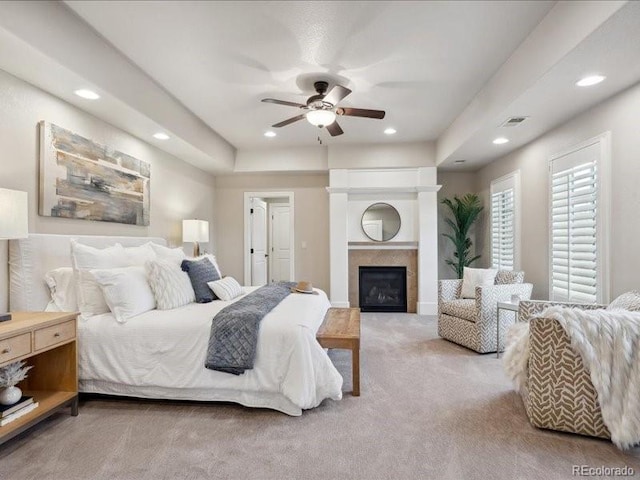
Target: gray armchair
x,y
472,322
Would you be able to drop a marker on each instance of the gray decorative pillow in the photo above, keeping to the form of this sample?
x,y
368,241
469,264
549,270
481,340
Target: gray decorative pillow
x,y
200,273
627,301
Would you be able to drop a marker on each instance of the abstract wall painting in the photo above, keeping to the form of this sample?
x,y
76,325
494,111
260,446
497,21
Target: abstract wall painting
x,y
84,180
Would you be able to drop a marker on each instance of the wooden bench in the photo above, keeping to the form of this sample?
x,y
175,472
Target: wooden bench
x,y
341,329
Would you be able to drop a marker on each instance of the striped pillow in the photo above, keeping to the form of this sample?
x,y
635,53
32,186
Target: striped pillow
x,y
226,289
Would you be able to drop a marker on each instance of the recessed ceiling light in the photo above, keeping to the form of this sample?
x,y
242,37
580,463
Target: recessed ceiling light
x,y
501,140
161,136
269,133
88,94
390,131
590,80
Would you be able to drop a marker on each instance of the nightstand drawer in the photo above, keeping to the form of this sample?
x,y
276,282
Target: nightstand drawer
x,y
46,337
15,347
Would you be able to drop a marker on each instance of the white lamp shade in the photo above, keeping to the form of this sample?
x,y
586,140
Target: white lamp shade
x,y
14,214
195,231
321,118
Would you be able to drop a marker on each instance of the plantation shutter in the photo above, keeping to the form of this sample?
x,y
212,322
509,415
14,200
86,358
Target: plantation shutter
x,y
574,226
503,223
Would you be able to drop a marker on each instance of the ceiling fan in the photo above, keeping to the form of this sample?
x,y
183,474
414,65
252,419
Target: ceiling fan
x,y
321,109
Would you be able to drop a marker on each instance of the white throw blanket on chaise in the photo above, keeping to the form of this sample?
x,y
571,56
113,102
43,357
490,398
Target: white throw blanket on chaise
x,y
608,342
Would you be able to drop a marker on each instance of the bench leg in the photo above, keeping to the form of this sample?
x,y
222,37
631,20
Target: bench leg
x,y
355,366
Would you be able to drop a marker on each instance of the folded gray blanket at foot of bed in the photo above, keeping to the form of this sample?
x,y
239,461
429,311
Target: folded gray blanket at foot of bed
x,y
234,330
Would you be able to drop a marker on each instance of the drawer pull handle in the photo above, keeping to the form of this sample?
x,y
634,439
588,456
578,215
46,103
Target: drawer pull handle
x,y
56,335
6,350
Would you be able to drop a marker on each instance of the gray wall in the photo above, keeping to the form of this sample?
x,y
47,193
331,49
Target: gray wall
x,y
178,190
311,222
453,183
619,115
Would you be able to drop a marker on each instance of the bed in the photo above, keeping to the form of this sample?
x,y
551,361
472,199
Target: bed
x,y
161,354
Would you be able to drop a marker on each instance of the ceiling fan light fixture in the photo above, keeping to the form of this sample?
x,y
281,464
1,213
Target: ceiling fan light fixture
x,y
321,118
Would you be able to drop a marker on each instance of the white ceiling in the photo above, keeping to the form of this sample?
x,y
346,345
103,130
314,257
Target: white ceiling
x,y
422,62
447,73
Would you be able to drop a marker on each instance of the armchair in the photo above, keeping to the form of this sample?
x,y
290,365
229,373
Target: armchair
x,y
472,322
557,392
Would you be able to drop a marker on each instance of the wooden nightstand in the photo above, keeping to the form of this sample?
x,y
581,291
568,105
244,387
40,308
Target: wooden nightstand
x,y
47,341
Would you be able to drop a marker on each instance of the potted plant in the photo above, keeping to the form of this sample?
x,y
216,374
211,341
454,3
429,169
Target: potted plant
x,y
465,212
10,376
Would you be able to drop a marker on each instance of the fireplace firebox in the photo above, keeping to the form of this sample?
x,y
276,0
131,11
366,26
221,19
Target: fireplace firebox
x,y
383,289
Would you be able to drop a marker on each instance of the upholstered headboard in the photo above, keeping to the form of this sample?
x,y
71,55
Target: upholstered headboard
x,y
30,258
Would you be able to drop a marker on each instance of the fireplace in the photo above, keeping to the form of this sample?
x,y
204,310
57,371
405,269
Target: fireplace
x,y
383,289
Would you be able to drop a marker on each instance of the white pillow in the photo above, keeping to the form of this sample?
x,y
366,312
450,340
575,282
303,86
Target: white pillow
x,y
139,256
62,286
84,258
126,291
170,285
174,255
474,277
226,288
177,255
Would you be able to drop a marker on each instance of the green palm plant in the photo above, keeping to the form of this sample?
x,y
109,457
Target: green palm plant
x,y
465,212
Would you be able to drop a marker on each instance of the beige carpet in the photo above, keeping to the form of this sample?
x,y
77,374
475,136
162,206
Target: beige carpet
x,y
429,409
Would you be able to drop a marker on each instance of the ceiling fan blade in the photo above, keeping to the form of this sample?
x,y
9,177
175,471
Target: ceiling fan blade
x,y
361,112
337,93
288,121
283,102
334,129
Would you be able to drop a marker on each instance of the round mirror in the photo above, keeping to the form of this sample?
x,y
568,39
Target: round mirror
x,y
380,222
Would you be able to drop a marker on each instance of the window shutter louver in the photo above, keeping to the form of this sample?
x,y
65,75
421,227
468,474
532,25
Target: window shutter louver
x,y
503,218
574,226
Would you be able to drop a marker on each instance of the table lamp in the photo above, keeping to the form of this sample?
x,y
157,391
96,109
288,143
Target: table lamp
x,y
195,231
14,221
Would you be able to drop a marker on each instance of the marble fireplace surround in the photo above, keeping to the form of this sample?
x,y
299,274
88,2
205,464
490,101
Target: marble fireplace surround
x,y
384,258
413,192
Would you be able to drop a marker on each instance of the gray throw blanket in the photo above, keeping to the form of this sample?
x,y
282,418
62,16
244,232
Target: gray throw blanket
x,y
234,330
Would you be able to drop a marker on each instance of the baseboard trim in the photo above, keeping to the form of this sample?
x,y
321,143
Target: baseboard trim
x,y
340,304
427,308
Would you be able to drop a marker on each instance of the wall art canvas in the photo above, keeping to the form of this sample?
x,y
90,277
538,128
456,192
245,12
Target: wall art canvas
x,y
82,179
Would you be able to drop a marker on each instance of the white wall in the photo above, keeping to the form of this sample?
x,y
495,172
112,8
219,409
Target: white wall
x,y
383,155
178,190
303,159
453,183
404,204
619,115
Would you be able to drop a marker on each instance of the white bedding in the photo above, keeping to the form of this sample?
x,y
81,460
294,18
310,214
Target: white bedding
x,y
161,354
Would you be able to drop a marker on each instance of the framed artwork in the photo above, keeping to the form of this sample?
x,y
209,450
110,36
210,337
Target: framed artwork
x,y
82,179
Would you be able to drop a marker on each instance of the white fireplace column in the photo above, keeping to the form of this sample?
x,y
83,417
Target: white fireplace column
x,y
339,250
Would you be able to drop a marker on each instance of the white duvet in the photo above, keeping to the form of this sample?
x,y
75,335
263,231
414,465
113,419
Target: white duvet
x,y
161,354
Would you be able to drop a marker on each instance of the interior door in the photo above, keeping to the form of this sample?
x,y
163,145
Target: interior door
x,y
258,242
280,257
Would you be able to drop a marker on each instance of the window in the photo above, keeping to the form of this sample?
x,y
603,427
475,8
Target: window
x,y
504,222
579,224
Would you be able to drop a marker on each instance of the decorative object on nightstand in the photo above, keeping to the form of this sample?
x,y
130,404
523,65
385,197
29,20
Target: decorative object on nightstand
x,y
14,221
10,376
195,231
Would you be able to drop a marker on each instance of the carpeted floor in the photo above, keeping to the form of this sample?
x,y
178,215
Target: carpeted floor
x,y
429,409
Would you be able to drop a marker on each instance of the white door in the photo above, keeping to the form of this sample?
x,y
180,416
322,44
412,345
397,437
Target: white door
x,y
258,242
280,255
